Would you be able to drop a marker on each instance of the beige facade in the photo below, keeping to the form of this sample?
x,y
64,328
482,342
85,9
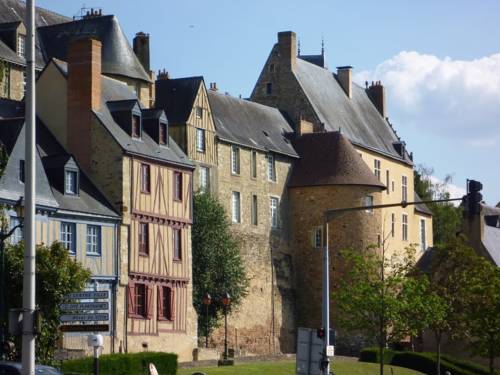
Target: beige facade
x,y
12,82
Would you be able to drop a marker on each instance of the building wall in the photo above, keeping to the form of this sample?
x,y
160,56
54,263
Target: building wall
x,y
355,230
264,323
12,83
141,88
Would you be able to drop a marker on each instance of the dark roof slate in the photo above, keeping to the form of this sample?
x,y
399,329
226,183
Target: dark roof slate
x,y
11,108
421,207
118,58
7,54
318,60
357,117
176,97
491,242
329,159
250,124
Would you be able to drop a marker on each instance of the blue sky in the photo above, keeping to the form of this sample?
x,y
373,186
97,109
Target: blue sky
x,y
438,60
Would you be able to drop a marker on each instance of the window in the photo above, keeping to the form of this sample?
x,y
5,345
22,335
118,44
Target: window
x,y
178,186
255,219
405,227
21,171
70,183
376,167
274,212
269,88
144,238
367,202
163,134
17,236
145,178
272,68
177,244
21,45
404,188
393,224
93,239
200,140
6,81
387,182
68,236
423,243
136,126
235,160
199,112
253,164
24,82
235,207
165,303
204,179
271,168
317,237
140,300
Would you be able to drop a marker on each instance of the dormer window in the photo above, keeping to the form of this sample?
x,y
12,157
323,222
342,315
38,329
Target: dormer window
x,y
71,182
21,45
163,134
136,126
21,171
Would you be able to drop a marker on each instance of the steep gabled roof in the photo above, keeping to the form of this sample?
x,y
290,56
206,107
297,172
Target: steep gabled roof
x,y
421,207
318,60
250,124
357,117
176,97
7,54
330,159
10,108
118,58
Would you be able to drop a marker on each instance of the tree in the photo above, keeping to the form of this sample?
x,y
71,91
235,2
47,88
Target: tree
x,y
483,317
217,264
57,274
374,295
446,217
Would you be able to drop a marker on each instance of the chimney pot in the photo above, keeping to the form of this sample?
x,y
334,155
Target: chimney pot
x,y
141,49
377,95
287,48
344,75
213,86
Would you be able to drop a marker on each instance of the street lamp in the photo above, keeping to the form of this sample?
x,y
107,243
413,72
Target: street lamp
x,y
207,300
226,301
4,235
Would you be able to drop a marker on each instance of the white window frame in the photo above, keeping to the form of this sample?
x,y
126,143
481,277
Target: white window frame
x,y
271,168
199,112
235,207
377,167
404,227
235,160
93,240
70,184
21,45
368,201
404,188
204,175
200,140
423,235
274,203
68,237
17,236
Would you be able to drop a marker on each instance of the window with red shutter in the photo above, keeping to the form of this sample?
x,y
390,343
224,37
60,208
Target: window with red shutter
x,y
165,303
143,238
140,300
159,302
131,300
149,300
172,304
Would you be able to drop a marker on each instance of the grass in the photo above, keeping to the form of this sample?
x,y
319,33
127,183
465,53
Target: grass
x,y
288,368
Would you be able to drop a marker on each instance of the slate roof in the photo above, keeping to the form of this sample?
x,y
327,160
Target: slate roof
x,y
250,124
491,242
318,60
7,54
330,159
421,207
118,57
11,188
114,90
89,200
176,97
11,108
357,117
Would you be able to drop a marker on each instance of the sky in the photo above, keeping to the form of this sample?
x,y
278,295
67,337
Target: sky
x,y
439,61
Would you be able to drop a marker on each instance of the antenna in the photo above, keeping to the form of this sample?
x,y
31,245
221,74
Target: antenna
x,y
322,46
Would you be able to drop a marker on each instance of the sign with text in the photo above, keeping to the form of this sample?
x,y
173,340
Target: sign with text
x,y
84,328
98,294
84,306
84,317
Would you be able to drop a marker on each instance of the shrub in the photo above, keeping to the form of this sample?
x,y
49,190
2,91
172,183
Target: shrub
x,y
467,365
124,364
373,355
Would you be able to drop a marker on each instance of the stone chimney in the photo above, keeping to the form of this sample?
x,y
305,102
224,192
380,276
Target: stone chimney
x,y
213,86
163,75
344,75
84,96
287,48
376,93
141,49
305,127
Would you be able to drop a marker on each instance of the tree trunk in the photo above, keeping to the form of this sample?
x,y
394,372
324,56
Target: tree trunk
x,y
438,362
492,357
381,350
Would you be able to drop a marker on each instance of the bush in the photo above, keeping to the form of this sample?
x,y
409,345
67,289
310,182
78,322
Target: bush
x,y
124,364
373,355
470,366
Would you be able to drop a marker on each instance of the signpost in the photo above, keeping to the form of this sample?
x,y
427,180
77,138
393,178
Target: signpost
x,y
79,312
84,328
99,317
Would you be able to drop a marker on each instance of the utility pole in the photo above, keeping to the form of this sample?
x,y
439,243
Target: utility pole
x,y
326,302
28,341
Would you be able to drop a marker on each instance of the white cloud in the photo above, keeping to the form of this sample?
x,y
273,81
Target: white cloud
x,y
451,98
454,190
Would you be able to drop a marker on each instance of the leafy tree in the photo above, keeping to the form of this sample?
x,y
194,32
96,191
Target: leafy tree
x,y
57,274
483,318
375,296
447,218
217,264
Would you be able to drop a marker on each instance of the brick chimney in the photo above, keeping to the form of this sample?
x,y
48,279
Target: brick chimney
x,y
287,48
376,93
84,95
344,75
213,86
141,49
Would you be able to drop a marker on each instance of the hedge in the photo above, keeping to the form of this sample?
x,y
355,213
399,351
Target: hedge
x,y
423,362
124,364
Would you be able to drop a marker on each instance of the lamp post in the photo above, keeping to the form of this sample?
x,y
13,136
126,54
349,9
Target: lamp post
x,y
226,301
4,235
207,300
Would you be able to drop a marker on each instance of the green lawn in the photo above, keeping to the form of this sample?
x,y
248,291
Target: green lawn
x,y
288,368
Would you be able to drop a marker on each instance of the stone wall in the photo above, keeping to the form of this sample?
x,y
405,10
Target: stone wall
x,y
12,83
265,322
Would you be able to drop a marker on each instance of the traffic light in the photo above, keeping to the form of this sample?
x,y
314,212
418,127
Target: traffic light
x,y
474,197
320,332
